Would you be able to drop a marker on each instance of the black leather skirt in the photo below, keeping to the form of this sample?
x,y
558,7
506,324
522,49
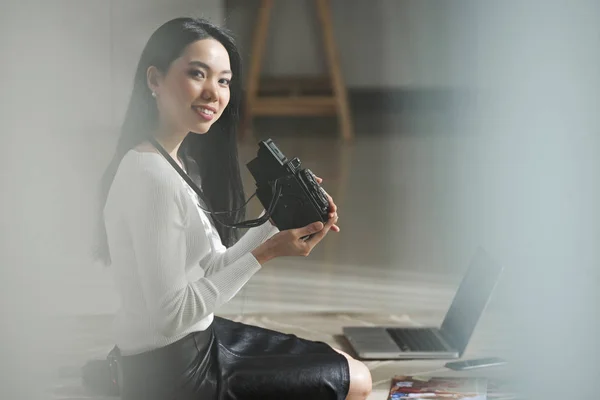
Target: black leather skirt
x,y
235,361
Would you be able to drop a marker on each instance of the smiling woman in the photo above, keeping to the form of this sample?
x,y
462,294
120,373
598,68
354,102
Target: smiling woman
x,y
193,85
168,83
156,235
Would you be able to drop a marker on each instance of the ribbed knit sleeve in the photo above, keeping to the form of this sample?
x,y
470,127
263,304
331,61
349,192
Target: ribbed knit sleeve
x,y
157,218
253,238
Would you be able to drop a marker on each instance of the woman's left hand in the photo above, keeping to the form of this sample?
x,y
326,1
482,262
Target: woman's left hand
x,y
332,207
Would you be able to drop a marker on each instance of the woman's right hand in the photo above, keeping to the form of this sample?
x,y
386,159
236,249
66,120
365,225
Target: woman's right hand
x,y
290,242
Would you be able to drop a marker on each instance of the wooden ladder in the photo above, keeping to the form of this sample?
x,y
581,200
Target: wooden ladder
x,y
296,96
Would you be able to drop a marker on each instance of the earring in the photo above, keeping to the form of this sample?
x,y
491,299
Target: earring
x,y
154,94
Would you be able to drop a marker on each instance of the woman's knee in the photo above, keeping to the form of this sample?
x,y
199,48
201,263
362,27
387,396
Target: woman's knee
x,y
360,379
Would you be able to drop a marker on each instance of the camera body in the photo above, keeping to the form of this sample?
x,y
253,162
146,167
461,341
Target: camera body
x,y
302,200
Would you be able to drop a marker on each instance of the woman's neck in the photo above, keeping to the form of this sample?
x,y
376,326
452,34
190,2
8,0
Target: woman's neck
x,y
170,141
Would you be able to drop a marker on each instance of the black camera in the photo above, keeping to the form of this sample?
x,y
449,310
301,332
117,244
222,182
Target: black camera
x,y
290,192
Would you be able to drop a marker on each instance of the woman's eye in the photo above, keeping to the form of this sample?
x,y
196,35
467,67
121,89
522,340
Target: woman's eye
x,y
197,73
224,81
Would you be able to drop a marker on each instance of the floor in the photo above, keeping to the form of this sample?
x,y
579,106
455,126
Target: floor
x,y
399,257
398,191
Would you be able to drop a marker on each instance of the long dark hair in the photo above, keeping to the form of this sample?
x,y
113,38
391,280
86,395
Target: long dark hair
x,y
210,158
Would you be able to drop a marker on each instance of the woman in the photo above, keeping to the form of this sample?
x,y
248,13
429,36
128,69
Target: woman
x,y
174,264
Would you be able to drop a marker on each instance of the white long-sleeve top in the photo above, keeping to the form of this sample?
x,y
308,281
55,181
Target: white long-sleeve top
x,y
169,266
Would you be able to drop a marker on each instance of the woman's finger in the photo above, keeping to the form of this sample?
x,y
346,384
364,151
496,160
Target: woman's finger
x,y
308,229
332,205
317,237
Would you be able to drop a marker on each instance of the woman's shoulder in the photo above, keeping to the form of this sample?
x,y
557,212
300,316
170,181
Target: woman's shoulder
x,y
142,168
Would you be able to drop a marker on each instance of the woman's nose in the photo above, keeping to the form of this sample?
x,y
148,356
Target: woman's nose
x,y
209,92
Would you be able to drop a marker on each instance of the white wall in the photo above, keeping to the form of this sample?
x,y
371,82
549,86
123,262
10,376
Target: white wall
x,y
382,43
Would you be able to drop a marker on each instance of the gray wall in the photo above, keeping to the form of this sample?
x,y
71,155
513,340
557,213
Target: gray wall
x,y
382,43
66,73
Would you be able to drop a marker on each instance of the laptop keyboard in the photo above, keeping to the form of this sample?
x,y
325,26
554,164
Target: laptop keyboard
x,y
416,339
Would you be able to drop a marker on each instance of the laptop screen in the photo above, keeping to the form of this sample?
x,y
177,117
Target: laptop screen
x,y
470,300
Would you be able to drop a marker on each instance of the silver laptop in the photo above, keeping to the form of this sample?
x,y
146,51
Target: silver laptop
x,y
446,342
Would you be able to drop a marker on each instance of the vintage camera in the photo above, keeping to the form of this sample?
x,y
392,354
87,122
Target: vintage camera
x,y
291,191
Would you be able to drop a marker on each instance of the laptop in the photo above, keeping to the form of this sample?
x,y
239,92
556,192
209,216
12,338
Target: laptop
x,y
446,342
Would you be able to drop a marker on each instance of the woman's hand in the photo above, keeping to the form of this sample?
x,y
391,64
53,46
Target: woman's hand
x,y
291,243
332,206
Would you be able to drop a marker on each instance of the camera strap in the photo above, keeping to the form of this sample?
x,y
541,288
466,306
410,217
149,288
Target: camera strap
x,y
244,224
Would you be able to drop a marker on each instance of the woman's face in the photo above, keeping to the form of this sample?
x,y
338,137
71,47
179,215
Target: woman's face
x,y
195,90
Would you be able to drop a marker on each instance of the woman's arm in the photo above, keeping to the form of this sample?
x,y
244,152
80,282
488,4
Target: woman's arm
x,y
253,238
156,219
